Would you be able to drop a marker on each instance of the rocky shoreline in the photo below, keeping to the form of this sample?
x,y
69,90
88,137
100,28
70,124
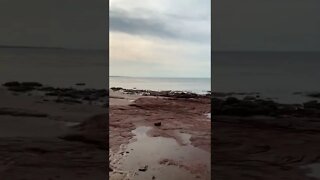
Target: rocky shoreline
x,y
253,106
60,95
256,138
173,94
173,116
74,121
62,131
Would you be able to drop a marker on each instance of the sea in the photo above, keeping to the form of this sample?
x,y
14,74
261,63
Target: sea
x,y
195,85
66,68
55,67
281,76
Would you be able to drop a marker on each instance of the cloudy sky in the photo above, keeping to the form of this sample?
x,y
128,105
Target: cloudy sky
x,y
160,38
266,25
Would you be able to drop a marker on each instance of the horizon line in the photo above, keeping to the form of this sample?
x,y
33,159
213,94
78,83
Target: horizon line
x,y
154,76
46,47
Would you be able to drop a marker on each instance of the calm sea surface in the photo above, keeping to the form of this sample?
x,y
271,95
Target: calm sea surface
x,y
65,68
54,67
274,75
197,85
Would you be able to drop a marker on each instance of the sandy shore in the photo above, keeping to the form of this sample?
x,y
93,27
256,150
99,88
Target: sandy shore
x,y
41,138
159,137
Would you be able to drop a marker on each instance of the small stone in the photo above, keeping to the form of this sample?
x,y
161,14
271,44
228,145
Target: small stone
x,y
145,168
81,84
11,84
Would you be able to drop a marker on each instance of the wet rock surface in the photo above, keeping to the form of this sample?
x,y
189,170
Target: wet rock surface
x,y
21,113
61,95
263,139
251,106
22,87
174,94
168,116
47,137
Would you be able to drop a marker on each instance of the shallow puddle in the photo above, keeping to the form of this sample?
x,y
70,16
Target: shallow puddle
x,y
142,158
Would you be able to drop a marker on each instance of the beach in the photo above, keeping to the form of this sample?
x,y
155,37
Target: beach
x,y
64,131
265,115
159,137
47,134
263,139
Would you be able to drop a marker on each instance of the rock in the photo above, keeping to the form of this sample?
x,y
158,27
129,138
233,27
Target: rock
x,y
232,100
173,94
116,88
312,104
21,113
157,124
22,87
51,94
145,168
31,84
11,84
68,101
80,84
314,95
249,98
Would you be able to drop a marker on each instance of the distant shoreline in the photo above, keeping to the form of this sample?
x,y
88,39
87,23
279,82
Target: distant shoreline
x,y
154,77
48,48
168,93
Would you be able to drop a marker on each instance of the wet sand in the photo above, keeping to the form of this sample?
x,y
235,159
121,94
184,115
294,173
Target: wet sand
x,y
142,148
42,139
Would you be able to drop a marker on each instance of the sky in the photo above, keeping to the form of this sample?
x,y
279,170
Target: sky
x,y
266,25
75,24
160,38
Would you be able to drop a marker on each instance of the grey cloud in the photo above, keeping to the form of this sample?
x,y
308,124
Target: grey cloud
x,y
139,26
189,18
161,25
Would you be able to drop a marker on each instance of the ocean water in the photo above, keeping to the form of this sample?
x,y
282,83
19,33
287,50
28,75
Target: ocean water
x,y
196,85
54,67
275,75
